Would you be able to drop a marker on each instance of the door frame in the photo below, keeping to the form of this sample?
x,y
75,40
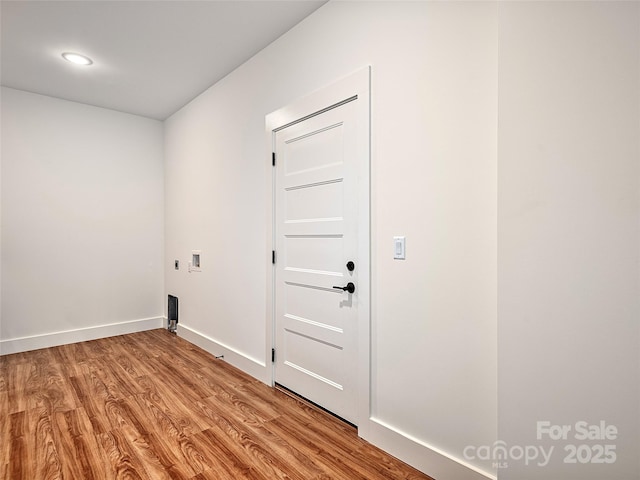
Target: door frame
x,y
356,84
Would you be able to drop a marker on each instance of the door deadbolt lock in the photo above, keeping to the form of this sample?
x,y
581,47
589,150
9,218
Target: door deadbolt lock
x,y
351,266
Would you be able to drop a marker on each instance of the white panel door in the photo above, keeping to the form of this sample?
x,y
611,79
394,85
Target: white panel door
x,y
316,324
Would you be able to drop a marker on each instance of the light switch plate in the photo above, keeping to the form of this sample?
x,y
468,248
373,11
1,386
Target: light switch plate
x,y
399,248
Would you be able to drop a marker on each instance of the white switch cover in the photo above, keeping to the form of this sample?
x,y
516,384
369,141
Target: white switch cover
x,y
399,251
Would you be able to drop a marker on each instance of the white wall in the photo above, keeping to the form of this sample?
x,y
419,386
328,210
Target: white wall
x,y
82,222
569,240
434,176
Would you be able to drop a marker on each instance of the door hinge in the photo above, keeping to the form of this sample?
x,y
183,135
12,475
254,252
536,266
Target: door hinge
x,y
273,158
273,355
273,257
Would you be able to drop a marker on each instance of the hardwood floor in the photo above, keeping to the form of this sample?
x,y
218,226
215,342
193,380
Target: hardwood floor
x,y
152,406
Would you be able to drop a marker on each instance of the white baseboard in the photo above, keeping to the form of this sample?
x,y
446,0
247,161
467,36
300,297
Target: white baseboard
x,y
35,342
416,453
425,458
251,366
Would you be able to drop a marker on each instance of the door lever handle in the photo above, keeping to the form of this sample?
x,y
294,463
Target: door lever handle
x,y
349,288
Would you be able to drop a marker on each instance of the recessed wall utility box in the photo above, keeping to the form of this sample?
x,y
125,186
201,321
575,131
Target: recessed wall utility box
x,y
172,313
399,250
195,265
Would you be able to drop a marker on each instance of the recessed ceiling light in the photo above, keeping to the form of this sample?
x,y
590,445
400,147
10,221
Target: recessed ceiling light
x,y
77,58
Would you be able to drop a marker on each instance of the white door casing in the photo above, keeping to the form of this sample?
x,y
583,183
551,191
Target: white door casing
x,y
320,215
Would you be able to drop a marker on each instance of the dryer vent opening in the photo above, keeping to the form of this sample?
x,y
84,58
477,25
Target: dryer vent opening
x,y
172,313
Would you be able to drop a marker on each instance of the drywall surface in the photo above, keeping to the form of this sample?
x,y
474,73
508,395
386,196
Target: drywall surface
x,y
82,221
434,127
568,238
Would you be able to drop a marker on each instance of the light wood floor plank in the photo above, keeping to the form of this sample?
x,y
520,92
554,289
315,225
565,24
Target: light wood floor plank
x,y
77,446
151,406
